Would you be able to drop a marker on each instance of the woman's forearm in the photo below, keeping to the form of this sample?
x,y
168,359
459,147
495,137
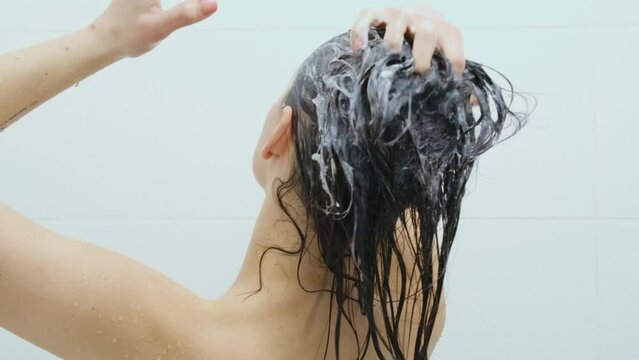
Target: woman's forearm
x,y
31,76
127,28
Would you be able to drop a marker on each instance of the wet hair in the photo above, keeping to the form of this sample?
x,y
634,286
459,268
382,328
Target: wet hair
x,y
382,154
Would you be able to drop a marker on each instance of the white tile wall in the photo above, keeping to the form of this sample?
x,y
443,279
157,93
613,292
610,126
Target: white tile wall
x,y
24,16
617,122
521,290
616,13
618,279
148,158
545,171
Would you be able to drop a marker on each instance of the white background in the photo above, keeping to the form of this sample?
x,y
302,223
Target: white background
x,y
152,158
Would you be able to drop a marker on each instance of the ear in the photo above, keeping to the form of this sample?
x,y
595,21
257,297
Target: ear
x,y
280,139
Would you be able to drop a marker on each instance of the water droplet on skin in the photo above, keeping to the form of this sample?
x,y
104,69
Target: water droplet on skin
x,y
115,340
179,343
75,304
121,318
99,332
126,356
168,346
158,358
99,316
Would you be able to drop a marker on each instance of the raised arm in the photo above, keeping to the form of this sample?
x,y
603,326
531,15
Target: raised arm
x,y
70,297
128,28
78,300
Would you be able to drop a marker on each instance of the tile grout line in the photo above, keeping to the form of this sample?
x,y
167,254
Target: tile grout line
x,y
597,210
595,92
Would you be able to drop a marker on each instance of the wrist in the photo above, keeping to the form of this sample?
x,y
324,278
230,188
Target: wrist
x,y
105,39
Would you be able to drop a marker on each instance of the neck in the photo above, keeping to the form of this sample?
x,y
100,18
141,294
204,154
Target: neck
x,y
279,271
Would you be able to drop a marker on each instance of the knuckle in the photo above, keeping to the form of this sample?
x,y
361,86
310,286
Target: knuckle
x,y
186,16
426,28
454,31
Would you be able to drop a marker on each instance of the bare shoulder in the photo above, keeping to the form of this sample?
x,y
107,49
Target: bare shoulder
x,y
78,300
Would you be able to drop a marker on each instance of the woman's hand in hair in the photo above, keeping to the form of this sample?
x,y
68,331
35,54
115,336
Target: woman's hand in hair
x,y
135,27
424,26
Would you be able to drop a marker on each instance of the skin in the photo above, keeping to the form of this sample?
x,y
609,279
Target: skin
x,y
78,300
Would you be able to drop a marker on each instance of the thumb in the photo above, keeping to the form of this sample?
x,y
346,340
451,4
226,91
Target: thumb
x,y
186,13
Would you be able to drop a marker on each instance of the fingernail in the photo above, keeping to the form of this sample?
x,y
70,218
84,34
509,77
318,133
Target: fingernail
x,y
208,6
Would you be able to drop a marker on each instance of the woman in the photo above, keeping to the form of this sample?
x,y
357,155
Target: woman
x,y
359,158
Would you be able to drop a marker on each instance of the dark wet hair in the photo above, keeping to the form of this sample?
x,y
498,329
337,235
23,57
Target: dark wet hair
x,y
377,146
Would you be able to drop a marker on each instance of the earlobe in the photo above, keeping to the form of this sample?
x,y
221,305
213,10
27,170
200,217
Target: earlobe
x,y
280,139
